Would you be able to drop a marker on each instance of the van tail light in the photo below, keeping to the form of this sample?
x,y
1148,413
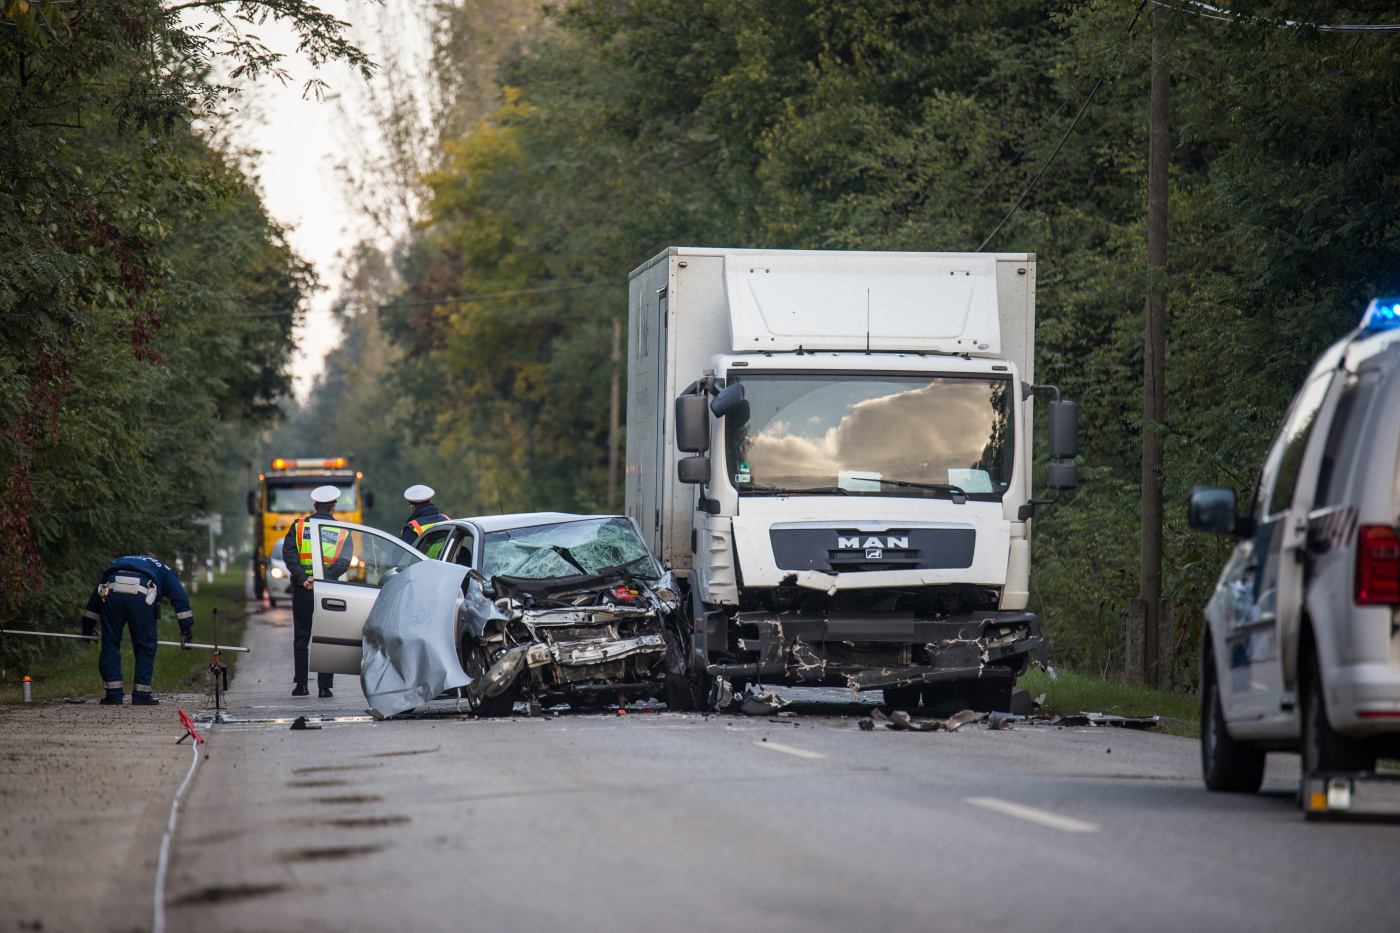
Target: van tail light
x,y
1377,565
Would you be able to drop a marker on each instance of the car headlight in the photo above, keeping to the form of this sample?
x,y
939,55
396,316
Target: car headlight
x,y
278,573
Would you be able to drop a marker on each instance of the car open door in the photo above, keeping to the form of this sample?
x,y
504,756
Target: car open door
x,y
351,563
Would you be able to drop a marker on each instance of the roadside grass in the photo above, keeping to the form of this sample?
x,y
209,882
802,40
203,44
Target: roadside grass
x,y
71,670
1070,693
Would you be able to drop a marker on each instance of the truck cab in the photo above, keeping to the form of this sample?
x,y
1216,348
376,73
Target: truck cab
x,y
856,505
283,495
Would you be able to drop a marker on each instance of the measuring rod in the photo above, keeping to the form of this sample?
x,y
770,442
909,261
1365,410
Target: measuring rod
x,y
172,644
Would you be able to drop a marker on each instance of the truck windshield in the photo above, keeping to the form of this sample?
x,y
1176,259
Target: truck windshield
x,y
871,434
296,497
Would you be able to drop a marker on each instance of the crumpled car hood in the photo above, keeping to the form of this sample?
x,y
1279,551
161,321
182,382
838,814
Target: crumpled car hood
x,y
410,651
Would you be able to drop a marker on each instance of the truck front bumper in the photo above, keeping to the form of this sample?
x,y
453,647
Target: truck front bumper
x,y
877,650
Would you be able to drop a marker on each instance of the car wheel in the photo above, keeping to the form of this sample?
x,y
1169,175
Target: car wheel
x,y
1324,748
1226,765
476,664
905,698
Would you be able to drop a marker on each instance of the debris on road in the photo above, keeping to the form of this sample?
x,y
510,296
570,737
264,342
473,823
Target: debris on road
x,y
300,724
901,721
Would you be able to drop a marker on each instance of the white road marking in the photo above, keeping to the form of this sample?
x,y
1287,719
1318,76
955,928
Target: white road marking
x,y
1064,823
789,750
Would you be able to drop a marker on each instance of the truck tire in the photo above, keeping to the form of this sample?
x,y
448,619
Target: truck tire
x,y
1226,764
1324,748
682,694
905,698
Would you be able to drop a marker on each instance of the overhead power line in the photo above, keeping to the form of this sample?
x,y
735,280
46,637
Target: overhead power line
x,y
1229,16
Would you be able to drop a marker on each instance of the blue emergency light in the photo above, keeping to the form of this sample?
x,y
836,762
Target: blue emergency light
x,y
1381,314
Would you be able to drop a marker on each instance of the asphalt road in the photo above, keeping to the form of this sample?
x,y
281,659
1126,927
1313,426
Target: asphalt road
x,y
659,821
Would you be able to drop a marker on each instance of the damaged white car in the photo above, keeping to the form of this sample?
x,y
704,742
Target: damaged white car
x,y
579,610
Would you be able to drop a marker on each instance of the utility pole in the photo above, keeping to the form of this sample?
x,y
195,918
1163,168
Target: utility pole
x,y
1154,352
614,427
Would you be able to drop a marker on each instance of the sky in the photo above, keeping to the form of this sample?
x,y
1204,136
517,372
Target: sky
x,y
300,141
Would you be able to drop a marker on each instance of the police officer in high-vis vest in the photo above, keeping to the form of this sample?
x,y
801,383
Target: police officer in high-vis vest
x,y
424,516
335,551
129,597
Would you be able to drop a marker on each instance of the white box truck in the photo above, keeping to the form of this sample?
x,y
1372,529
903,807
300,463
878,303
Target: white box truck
x,y
832,451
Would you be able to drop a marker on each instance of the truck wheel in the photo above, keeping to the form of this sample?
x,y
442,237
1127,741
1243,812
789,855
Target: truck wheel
x,y
905,698
945,699
681,694
1226,765
1324,748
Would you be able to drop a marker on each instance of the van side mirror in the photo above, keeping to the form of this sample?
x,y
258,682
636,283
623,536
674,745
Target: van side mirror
x,y
1064,432
728,399
693,470
1213,509
692,424
253,502
369,500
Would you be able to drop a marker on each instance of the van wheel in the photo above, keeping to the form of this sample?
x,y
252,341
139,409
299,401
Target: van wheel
x,y
1226,765
1324,748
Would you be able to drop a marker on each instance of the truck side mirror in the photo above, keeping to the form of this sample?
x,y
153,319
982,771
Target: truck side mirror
x,y
728,399
1212,509
1064,432
369,500
693,470
692,424
1064,475
253,502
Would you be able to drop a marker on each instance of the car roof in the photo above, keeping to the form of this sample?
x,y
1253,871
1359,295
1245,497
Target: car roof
x,y
526,519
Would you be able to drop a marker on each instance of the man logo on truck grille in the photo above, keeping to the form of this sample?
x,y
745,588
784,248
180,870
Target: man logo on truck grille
x,y
891,541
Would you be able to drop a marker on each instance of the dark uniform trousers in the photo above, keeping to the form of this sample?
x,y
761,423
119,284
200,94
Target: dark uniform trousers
x,y
127,610
303,602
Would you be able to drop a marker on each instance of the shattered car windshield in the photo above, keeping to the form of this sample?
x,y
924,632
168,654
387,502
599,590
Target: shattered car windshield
x,y
568,549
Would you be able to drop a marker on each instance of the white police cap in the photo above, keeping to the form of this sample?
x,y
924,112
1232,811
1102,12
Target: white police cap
x,y
325,493
419,493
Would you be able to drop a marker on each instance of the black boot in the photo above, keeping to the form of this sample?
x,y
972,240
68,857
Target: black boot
x,y
324,692
112,699
144,699
300,691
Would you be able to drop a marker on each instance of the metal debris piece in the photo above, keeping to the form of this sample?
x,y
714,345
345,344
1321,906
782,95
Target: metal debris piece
x,y
300,724
761,704
866,724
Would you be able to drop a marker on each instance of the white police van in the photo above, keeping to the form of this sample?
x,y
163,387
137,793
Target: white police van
x,y
1303,643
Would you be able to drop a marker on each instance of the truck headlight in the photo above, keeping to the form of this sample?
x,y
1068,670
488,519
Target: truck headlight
x,y
278,573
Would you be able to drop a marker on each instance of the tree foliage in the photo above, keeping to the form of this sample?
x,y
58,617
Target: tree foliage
x,y
629,126
146,298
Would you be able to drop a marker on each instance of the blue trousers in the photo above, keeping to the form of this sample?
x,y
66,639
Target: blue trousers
x,y
127,610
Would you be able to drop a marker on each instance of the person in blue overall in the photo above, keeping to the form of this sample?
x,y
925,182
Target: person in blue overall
x,y
129,597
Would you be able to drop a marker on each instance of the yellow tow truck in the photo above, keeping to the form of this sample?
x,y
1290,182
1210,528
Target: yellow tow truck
x,y
284,495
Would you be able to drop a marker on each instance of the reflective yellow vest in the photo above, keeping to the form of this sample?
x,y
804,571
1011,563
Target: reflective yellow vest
x,y
330,550
419,529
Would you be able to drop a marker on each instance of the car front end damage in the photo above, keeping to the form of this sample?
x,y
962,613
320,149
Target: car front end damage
x,y
579,640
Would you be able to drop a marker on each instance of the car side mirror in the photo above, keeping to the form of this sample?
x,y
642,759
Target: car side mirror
x,y
693,470
253,502
728,399
1213,509
692,424
369,500
1064,433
